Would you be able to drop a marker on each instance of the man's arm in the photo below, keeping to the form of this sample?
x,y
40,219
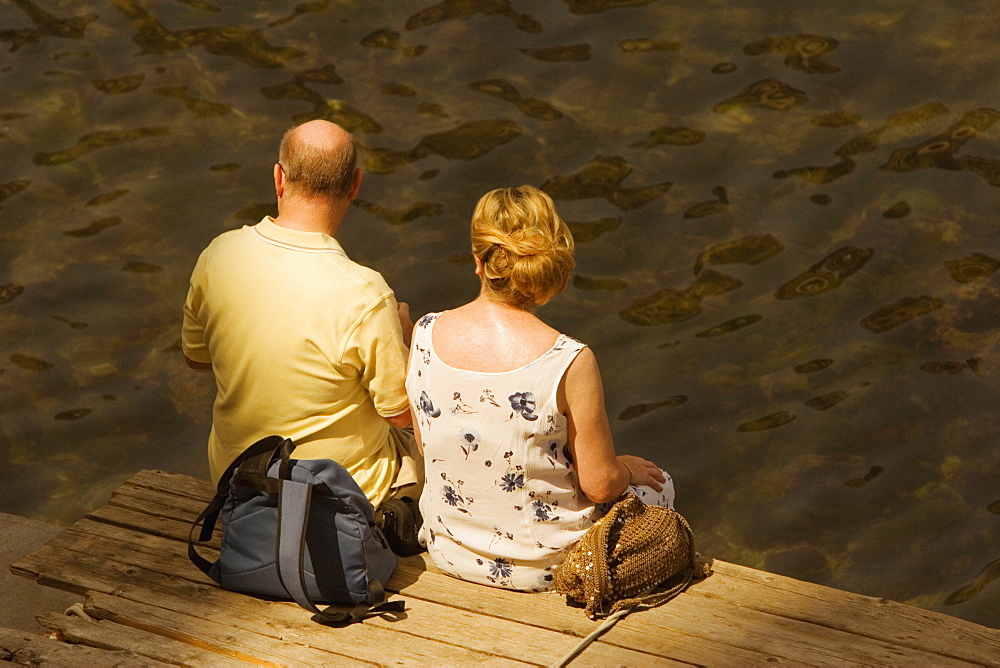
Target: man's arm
x,y
402,420
198,366
377,350
192,330
405,322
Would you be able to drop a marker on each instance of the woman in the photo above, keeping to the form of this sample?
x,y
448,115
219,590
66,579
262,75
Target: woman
x,y
510,413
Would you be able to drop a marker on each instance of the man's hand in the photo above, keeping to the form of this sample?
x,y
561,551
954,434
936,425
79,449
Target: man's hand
x,y
405,322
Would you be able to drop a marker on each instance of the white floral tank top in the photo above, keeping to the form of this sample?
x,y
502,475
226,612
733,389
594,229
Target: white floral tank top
x,y
501,503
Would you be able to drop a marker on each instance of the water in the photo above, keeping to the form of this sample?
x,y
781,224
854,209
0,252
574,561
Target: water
x,y
802,327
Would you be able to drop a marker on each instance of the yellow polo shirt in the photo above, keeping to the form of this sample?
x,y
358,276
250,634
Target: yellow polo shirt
x,y
304,343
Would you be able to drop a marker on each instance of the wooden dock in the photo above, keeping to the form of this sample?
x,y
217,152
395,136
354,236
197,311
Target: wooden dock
x,y
144,603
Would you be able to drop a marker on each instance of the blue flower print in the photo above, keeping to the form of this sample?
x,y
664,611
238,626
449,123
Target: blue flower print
x,y
469,439
543,511
427,319
454,498
427,407
512,481
523,403
501,568
451,497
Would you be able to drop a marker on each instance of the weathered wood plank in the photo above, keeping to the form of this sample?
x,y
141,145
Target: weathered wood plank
x,y
887,620
708,632
110,636
140,521
737,616
80,572
707,625
22,648
217,637
151,552
795,641
907,625
867,616
176,483
157,503
553,614
83,532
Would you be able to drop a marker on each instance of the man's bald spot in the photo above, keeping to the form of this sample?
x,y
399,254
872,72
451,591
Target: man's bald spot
x,y
318,158
320,133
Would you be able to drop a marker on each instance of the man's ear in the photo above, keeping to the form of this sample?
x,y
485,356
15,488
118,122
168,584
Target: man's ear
x,y
355,186
279,180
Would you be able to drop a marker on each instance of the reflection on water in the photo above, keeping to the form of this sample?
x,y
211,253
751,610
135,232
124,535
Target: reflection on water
x,y
823,386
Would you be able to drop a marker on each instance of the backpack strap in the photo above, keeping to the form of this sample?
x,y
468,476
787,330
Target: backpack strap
x,y
209,517
264,448
294,502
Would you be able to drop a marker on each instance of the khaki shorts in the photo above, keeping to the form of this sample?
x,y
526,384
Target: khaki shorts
x,y
410,476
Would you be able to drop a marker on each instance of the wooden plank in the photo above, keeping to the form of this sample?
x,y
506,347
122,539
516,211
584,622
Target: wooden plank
x,y
511,638
157,503
215,636
685,623
830,608
462,628
80,572
22,648
83,533
878,619
765,634
867,616
864,615
176,483
875,618
110,636
140,521
737,616
553,614
547,612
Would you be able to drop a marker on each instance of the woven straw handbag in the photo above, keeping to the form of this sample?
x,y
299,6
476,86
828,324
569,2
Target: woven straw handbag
x,y
621,560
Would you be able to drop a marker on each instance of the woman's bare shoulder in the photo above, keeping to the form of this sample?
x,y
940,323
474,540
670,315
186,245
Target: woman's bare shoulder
x,y
584,367
485,339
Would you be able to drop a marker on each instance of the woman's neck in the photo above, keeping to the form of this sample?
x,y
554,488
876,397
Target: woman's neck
x,y
486,301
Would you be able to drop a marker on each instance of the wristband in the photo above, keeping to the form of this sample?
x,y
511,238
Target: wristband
x,y
631,475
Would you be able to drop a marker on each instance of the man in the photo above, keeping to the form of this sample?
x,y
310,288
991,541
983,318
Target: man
x,y
305,343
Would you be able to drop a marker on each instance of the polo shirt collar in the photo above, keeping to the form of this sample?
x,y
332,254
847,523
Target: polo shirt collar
x,y
310,242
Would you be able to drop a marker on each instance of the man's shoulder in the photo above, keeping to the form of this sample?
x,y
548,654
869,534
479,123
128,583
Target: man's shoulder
x,y
366,279
227,240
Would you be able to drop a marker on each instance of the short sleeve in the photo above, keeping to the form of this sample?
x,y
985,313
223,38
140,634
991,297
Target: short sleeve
x,y
193,330
376,349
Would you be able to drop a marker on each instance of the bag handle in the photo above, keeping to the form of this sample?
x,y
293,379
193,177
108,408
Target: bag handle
x,y
294,503
266,446
209,517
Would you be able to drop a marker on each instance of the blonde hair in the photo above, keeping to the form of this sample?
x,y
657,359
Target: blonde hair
x,y
525,247
318,169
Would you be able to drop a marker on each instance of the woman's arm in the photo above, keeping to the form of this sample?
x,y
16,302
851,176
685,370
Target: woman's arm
x,y
603,475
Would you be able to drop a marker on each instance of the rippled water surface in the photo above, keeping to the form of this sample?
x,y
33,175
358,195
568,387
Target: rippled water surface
x,y
786,216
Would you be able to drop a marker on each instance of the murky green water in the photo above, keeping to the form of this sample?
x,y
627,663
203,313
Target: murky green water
x,y
787,216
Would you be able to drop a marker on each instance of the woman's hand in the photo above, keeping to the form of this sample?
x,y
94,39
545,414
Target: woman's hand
x,y
643,472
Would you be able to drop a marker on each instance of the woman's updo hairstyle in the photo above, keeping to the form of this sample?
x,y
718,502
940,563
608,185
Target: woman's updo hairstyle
x,y
525,247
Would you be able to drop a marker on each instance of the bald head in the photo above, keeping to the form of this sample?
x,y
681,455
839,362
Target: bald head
x,y
318,159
